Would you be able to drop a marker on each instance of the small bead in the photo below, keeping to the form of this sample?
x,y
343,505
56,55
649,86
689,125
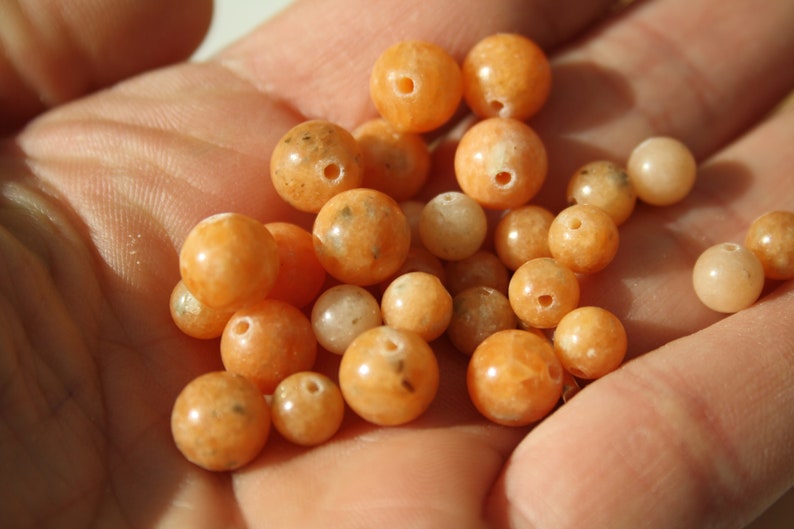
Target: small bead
x,y
341,313
542,291
477,313
388,377
514,378
267,342
662,171
416,86
606,185
522,234
314,161
307,408
300,276
193,317
506,75
417,302
501,163
483,268
361,236
728,277
583,238
220,421
453,226
590,342
771,238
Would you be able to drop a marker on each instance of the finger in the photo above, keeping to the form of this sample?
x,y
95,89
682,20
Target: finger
x,y
54,51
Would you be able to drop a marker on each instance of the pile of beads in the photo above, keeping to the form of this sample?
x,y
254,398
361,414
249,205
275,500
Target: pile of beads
x,y
382,275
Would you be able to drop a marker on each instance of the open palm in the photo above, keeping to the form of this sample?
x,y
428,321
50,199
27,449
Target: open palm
x,y
98,193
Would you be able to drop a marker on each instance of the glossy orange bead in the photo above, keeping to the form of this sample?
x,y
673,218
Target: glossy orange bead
x,y
606,185
514,378
193,317
662,171
307,408
220,421
584,238
590,342
361,236
417,302
483,268
341,313
229,260
453,226
477,313
314,161
417,86
727,277
522,234
301,275
388,376
501,163
506,75
771,238
542,291
267,342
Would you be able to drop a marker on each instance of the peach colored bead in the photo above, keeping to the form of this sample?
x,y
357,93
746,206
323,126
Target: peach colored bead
x,y
220,421
361,236
229,260
341,313
501,163
417,302
590,342
522,234
314,161
606,185
395,162
506,75
267,342
514,378
728,277
771,238
307,408
477,313
584,238
483,268
417,86
389,377
662,171
193,317
301,275
542,291
453,226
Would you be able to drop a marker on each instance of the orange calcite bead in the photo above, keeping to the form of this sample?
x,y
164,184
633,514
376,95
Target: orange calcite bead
x,y
584,238
314,161
590,342
453,226
606,185
728,277
395,162
267,342
361,236
220,421
542,291
229,260
662,171
514,378
501,163
477,313
415,85
307,408
341,313
193,317
300,276
771,238
506,75
483,268
389,377
522,234
418,302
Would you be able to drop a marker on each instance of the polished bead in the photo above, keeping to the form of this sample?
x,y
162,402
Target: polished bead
x,y
301,275
307,408
193,317
728,277
388,376
522,234
606,185
583,238
483,268
514,378
477,313
542,291
417,302
453,226
341,313
662,171
220,421
771,238
590,342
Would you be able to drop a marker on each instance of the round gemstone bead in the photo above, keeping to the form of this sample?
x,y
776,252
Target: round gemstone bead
x,y
307,408
267,342
514,378
771,238
220,421
418,302
590,342
453,226
193,317
415,85
341,313
229,260
542,291
583,238
361,236
662,171
522,234
388,376
477,313
482,268
506,75
606,185
728,277
501,163
300,276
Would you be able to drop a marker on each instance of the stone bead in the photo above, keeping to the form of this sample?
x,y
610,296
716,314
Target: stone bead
x,y
583,238
590,342
542,291
193,317
522,234
606,185
300,275
341,313
307,408
728,277
483,268
477,313
662,171
771,238
453,226
417,302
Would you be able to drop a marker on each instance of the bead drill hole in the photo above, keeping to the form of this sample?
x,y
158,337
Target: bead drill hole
x,y
574,224
311,387
496,106
390,346
242,327
503,178
331,171
405,85
730,247
545,300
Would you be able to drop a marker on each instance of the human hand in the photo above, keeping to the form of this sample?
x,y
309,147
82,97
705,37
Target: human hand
x,y
97,195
